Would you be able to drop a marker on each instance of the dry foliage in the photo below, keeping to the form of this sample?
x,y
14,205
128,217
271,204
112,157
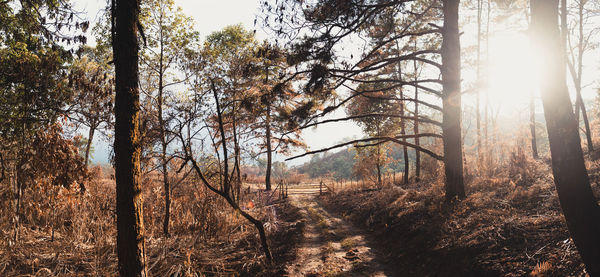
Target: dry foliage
x,y
510,224
66,233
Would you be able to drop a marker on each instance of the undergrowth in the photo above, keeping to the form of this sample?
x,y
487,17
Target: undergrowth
x,y
63,232
510,224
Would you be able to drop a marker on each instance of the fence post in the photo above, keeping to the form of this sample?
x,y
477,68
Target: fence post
x,y
320,187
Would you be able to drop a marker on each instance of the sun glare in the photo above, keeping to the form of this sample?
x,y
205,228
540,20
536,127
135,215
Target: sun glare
x,y
512,77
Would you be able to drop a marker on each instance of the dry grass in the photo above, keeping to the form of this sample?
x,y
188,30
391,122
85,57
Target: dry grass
x,y
64,233
510,224
348,243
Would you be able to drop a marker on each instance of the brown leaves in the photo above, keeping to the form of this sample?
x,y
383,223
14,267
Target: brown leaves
x,y
54,160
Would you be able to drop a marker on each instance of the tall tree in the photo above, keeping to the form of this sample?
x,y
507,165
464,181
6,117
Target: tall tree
x,y
416,71
216,78
451,97
169,34
375,102
274,100
577,200
227,56
130,220
478,81
33,87
577,42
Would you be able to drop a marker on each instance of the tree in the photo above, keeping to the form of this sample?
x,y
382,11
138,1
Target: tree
x,y
92,104
532,124
451,97
376,102
217,77
225,59
213,170
130,220
572,182
169,34
33,87
371,160
274,100
575,52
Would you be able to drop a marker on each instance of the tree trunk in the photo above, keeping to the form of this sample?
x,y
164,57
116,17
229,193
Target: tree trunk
x,y
451,125
236,159
402,122
269,148
403,132
588,133
568,166
91,132
259,227
534,149
130,222
487,153
416,126
166,183
417,140
19,183
379,181
478,82
586,123
163,135
576,74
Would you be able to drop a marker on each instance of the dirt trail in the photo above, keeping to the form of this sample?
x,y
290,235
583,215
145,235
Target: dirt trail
x,y
331,246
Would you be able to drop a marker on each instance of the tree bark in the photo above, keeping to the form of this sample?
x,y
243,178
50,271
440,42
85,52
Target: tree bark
x,y
478,82
130,222
586,123
163,138
88,146
404,148
402,121
534,149
417,139
416,126
578,203
379,181
451,98
236,159
269,148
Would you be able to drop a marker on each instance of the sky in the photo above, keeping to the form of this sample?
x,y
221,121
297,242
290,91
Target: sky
x,y
211,16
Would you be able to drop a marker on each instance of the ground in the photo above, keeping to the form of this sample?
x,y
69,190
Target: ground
x,y
331,246
510,224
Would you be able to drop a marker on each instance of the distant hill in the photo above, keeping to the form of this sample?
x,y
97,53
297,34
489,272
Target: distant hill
x,y
339,164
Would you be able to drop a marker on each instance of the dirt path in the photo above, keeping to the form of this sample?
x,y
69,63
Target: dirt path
x,y
331,246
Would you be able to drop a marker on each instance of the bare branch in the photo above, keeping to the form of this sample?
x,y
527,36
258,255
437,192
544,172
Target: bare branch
x,y
396,139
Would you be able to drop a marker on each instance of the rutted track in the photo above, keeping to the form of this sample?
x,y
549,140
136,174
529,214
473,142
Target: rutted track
x,y
331,246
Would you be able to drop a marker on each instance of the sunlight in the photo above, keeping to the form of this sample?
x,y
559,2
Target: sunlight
x,y
511,73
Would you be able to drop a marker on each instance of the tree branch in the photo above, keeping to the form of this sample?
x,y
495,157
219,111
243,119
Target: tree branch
x,y
396,139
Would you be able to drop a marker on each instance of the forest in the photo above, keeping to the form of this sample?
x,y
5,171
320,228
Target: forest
x,y
318,138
